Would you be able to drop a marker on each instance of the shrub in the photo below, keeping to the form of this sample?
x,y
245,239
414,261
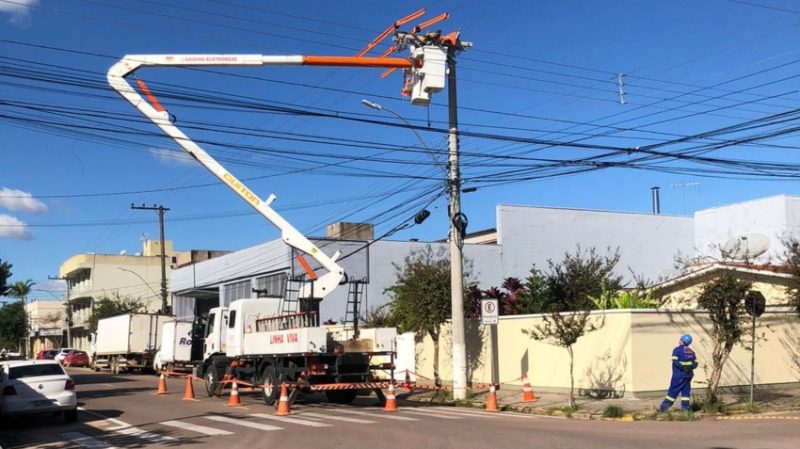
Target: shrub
x,y
613,411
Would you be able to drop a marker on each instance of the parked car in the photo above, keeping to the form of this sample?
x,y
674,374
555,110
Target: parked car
x,y
46,354
36,386
76,358
62,353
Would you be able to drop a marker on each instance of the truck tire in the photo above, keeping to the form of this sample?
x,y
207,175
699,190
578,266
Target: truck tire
x,y
270,391
212,378
341,396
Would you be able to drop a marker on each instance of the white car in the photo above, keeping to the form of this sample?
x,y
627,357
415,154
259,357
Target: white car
x,y
36,386
62,353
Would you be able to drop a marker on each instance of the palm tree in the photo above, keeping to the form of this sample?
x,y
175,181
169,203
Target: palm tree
x,y
21,290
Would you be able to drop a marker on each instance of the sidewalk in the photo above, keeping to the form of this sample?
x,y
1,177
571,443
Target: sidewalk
x,y
767,401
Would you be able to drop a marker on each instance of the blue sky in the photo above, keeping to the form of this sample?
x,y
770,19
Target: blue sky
x,y
538,97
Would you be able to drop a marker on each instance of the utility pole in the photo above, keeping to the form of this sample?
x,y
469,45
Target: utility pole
x,y
160,209
68,308
458,227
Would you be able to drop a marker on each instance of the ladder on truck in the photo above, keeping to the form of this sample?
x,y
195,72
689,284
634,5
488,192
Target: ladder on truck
x,y
355,296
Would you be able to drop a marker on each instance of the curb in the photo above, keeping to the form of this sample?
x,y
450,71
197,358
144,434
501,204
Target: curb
x,y
755,418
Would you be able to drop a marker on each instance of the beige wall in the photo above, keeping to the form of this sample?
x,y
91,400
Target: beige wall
x,y
629,354
774,292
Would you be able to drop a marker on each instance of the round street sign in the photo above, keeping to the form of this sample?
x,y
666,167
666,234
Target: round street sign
x,y
489,311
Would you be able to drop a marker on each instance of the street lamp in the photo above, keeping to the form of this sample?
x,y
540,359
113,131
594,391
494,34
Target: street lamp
x,y
142,279
378,107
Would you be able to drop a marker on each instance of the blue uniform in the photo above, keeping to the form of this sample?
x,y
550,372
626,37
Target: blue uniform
x,y
684,361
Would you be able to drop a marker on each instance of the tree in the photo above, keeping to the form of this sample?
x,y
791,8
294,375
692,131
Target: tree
x,y
567,291
13,322
723,298
421,296
21,289
535,297
792,260
5,274
117,304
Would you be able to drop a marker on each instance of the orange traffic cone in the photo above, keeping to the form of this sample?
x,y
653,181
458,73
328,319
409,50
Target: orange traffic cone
x,y
491,400
527,391
283,404
162,385
391,400
188,394
234,399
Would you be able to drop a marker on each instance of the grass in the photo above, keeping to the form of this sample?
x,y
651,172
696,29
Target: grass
x,y
713,404
683,415
613,411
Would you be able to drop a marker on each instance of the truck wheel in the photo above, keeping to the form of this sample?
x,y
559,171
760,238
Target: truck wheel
x,y
212,380
341,396
271,390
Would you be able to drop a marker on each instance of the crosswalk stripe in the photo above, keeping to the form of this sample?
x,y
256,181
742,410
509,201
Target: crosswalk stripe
x,y
205,430
450,411
430,414
85,441
149,436
336,418
243,423
375,414
302,422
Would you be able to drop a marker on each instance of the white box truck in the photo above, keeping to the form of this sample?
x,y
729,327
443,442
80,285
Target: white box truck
x,y
175,352
127,342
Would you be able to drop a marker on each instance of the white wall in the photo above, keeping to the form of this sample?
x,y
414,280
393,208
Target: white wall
x,y
647,243
772,217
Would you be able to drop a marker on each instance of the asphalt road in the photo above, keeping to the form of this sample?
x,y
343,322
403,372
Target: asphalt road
x,y
124,411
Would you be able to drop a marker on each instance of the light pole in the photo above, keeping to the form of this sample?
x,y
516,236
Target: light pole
x,y
142,279
378,107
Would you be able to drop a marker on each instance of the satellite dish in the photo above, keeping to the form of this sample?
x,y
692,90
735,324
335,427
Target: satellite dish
x,y
746,246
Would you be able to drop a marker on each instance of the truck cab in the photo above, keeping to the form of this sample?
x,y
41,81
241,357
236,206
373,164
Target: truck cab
x,y
215,332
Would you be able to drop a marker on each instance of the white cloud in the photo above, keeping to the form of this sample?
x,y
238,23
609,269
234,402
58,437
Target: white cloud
x,y
20,201
11,228
172,157
18,11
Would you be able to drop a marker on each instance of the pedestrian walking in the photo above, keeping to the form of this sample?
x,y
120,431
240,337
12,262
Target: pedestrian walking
x,y
684,361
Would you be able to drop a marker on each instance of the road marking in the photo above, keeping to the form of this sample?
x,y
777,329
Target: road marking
x,y
243,423
302,422
85,441
375,414
196,428
336,418
124,428
450,411
430,414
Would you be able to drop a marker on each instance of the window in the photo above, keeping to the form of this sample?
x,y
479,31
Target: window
x,y
49,369
274,285
210,324
236,290
232,319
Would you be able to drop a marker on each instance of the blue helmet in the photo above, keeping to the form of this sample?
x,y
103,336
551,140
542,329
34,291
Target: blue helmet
x,y
686,339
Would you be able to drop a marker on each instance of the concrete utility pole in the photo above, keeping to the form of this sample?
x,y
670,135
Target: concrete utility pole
x,y
160,209
68,310
458,226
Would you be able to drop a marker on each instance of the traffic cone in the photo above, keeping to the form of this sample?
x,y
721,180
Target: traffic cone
x,y
527,391
491,400
234,399
283,404
188,394
391,400
162,385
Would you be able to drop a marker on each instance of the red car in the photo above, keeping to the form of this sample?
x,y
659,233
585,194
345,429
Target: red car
x,y
76,358
46,354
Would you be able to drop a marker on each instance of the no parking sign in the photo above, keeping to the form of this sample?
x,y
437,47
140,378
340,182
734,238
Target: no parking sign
x,y
489,311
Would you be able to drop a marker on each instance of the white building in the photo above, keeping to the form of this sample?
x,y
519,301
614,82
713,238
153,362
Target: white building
x,y
525,236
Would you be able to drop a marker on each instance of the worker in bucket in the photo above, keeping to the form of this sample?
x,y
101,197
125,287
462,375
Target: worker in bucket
x,y
684,361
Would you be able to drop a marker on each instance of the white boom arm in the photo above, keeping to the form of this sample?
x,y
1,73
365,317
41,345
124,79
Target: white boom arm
x,y
324,284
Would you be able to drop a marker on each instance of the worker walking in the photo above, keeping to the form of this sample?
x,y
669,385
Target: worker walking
x,y
684,361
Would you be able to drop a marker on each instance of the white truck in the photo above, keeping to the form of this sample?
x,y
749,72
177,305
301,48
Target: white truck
x,y
271,341
127,342
175,351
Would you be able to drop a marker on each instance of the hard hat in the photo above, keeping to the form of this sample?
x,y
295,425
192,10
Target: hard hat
x,y
686,339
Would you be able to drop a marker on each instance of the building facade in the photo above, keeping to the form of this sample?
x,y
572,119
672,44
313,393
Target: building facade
x,y
46,320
